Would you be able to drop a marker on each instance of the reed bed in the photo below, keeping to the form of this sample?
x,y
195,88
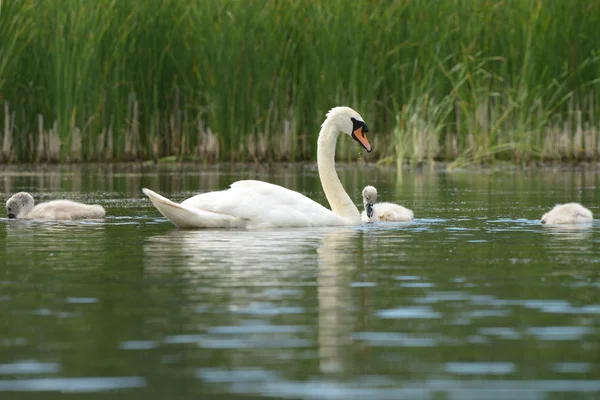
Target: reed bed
x,y
450,80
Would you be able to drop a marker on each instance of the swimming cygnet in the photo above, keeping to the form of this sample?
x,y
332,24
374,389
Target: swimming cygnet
x,y
570,213
21,205
389,212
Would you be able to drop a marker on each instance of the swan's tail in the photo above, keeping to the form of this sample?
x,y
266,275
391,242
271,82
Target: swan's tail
x,y
186,217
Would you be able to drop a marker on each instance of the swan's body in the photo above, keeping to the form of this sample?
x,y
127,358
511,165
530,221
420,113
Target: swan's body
x,y
569,213
254,204
21,205
388,212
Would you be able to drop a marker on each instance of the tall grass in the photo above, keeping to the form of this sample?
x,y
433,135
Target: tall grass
x,y
452,80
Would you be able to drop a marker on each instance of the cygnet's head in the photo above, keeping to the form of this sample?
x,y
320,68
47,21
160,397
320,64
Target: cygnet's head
x,y
19,205
369,198
350,122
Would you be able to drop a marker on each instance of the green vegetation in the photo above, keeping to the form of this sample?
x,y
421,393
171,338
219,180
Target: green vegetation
x,y
455,80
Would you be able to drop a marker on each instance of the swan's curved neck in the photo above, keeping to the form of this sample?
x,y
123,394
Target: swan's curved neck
x,y
338,199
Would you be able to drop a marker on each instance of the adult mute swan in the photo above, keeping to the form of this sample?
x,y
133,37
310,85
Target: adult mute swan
x,y
254,204
21,205
569,213
388,212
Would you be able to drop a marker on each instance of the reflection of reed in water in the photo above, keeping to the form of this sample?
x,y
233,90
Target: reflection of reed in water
x,y
58,244
54,297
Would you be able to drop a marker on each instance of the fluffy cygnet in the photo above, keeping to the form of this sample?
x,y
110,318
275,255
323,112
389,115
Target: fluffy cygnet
x,y
570,213
388,212
21,205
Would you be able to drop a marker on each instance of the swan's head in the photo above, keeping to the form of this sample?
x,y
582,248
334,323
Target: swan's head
x,y
19,205
350,122
369,198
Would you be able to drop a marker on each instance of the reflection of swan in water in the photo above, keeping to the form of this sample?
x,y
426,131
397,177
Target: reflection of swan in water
x,y
338,258
231,263
235,255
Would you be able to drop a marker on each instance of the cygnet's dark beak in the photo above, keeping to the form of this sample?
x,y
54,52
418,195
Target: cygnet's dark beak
x,y
11,216
369,210
543,221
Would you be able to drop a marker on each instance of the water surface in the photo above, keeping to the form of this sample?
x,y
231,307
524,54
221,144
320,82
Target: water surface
x,y
474,299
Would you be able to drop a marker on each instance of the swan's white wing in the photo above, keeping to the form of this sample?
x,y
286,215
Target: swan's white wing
x,y
264,205
189,217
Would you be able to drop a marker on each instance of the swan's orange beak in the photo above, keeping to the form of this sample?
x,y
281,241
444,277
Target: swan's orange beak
x,y
361,138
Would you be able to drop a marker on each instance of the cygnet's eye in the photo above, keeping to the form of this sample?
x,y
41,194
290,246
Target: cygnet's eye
x,y
8,208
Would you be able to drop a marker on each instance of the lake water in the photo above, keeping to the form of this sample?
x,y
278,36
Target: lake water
x,y
474,299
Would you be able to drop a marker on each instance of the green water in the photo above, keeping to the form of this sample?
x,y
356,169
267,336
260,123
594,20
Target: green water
x,y
474,299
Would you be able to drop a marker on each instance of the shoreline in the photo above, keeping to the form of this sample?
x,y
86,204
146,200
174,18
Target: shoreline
x,y
442,166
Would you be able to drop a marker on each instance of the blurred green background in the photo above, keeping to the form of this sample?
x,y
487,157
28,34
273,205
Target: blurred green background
x,y
459,81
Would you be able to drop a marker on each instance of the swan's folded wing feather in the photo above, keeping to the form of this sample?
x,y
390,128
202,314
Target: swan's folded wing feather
x,y
264,204
188,217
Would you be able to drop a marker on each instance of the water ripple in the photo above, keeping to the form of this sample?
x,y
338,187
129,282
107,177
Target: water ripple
x,y
385,339
408,312
416,285
72,385
215,375
29,367
267,383
266,343
560,332
479,368
363,284
139,345
253,329
501,332
81,300
265,309
572,367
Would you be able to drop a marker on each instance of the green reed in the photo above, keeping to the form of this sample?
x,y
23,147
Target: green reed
x,y
454,80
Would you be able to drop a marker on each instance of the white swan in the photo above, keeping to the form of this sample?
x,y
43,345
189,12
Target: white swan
x,y
389,212
569,213
21,205
254,204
